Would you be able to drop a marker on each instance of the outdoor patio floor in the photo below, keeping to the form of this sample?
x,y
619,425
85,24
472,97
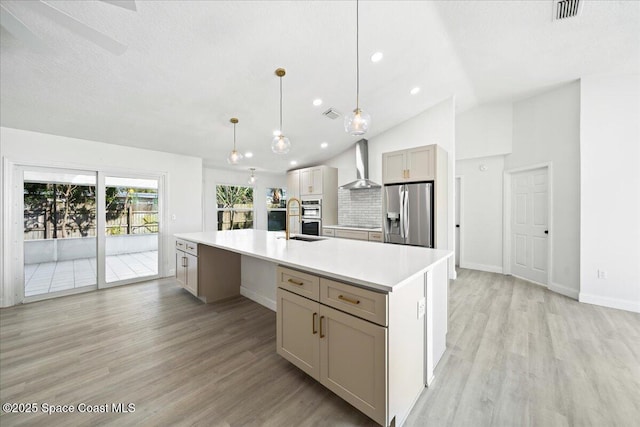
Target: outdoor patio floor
x,y
57,276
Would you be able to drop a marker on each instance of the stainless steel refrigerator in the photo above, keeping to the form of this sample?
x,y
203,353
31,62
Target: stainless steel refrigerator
x,y
408,214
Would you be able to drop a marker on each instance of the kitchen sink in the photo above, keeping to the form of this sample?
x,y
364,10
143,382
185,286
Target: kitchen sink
x,y
305,239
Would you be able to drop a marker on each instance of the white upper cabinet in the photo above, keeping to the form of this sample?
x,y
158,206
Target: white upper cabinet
x,y
414,164
311,181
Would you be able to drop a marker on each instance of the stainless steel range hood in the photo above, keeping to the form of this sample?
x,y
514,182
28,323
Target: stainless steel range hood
x,y
362,169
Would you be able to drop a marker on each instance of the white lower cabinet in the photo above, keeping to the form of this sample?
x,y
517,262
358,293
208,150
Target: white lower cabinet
x,y
187,265
346,354
353,361
297,336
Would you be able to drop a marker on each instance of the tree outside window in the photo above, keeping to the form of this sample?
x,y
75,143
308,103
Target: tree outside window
x,y
235,207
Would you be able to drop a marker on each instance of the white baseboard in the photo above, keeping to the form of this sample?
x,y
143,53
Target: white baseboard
x,y
481,267
563,290
260,299
610,302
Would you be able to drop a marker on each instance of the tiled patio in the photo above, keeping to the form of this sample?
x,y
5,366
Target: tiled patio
x,y
63,275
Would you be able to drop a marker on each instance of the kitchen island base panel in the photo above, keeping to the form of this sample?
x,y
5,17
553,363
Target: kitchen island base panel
x,y
218,274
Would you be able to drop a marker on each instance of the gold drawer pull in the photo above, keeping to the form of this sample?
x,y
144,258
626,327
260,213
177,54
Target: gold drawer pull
x,y
321,333
352,301
295,282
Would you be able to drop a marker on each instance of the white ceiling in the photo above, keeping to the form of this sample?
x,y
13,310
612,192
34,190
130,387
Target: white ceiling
x,y
190,66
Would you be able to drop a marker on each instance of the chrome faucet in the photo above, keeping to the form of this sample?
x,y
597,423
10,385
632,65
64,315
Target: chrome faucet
x,y
289,214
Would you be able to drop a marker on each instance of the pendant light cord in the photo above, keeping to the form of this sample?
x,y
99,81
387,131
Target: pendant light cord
x,y
281,133
234,137
357,55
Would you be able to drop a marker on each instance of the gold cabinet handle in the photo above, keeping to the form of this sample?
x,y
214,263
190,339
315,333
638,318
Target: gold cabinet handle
x,y
352,301
295,282
184,261
321,333
313,323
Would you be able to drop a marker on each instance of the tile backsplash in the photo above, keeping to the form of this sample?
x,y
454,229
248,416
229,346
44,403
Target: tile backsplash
x,y
360,207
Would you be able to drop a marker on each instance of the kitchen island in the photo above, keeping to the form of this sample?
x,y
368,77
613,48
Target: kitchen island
x,y
376,313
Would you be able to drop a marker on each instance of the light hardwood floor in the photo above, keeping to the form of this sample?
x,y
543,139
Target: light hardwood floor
x,y
516,355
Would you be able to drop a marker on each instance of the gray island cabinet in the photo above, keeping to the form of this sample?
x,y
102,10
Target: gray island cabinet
x,y
366,320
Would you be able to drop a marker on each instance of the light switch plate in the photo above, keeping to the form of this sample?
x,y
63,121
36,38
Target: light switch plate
x,y
421,307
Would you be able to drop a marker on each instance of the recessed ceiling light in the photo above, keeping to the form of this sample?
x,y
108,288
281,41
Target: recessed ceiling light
x,y
293,163
376,57
276,132
317,102
324,145
248,154
415,90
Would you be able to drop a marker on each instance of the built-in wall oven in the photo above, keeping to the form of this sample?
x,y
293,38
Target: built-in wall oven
x,y
311,226
312,216
312,208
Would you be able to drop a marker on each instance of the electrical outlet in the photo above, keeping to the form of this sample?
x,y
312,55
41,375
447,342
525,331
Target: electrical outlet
x,y
602,274
421,307
173,217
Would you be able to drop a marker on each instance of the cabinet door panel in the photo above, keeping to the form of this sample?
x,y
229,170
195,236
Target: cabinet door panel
x,y
310,181
297,331
393,167
316,180
353,361
421,163
192,274
181,270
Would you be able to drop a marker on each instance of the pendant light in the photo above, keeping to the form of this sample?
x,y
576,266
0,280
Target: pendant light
x,y
280,143
235,156
357,123
252,178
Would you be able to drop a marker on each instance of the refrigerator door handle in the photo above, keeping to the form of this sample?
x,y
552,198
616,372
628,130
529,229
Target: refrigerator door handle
x,y
401,194
405,206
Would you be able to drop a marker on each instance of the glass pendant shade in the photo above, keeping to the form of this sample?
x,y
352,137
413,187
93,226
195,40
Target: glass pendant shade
x,y
357,123
234,158
252,178
280,144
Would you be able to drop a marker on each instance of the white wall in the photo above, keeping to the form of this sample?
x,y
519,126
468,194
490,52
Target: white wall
x,y
546,129
184,182
610,196
345,162
212,177
481,216
484,131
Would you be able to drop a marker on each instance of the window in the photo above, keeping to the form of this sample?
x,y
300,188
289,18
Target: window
x,y
276,209
235,207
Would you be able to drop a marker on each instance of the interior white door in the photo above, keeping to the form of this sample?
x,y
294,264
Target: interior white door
x,y
529,225
458,197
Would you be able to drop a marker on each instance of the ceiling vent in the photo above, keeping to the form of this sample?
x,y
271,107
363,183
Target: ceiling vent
x,y
331,113
563,9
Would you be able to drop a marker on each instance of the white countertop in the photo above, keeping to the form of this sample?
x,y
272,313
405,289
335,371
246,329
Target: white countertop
x,y
369,264
348,227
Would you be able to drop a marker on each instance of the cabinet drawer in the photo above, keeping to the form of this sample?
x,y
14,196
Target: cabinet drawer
x,y
366,304
375,236
187,246
299,283
328,232
352,234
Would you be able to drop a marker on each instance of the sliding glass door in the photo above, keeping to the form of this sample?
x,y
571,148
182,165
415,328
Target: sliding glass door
x,y
62,211
59,233
131,228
